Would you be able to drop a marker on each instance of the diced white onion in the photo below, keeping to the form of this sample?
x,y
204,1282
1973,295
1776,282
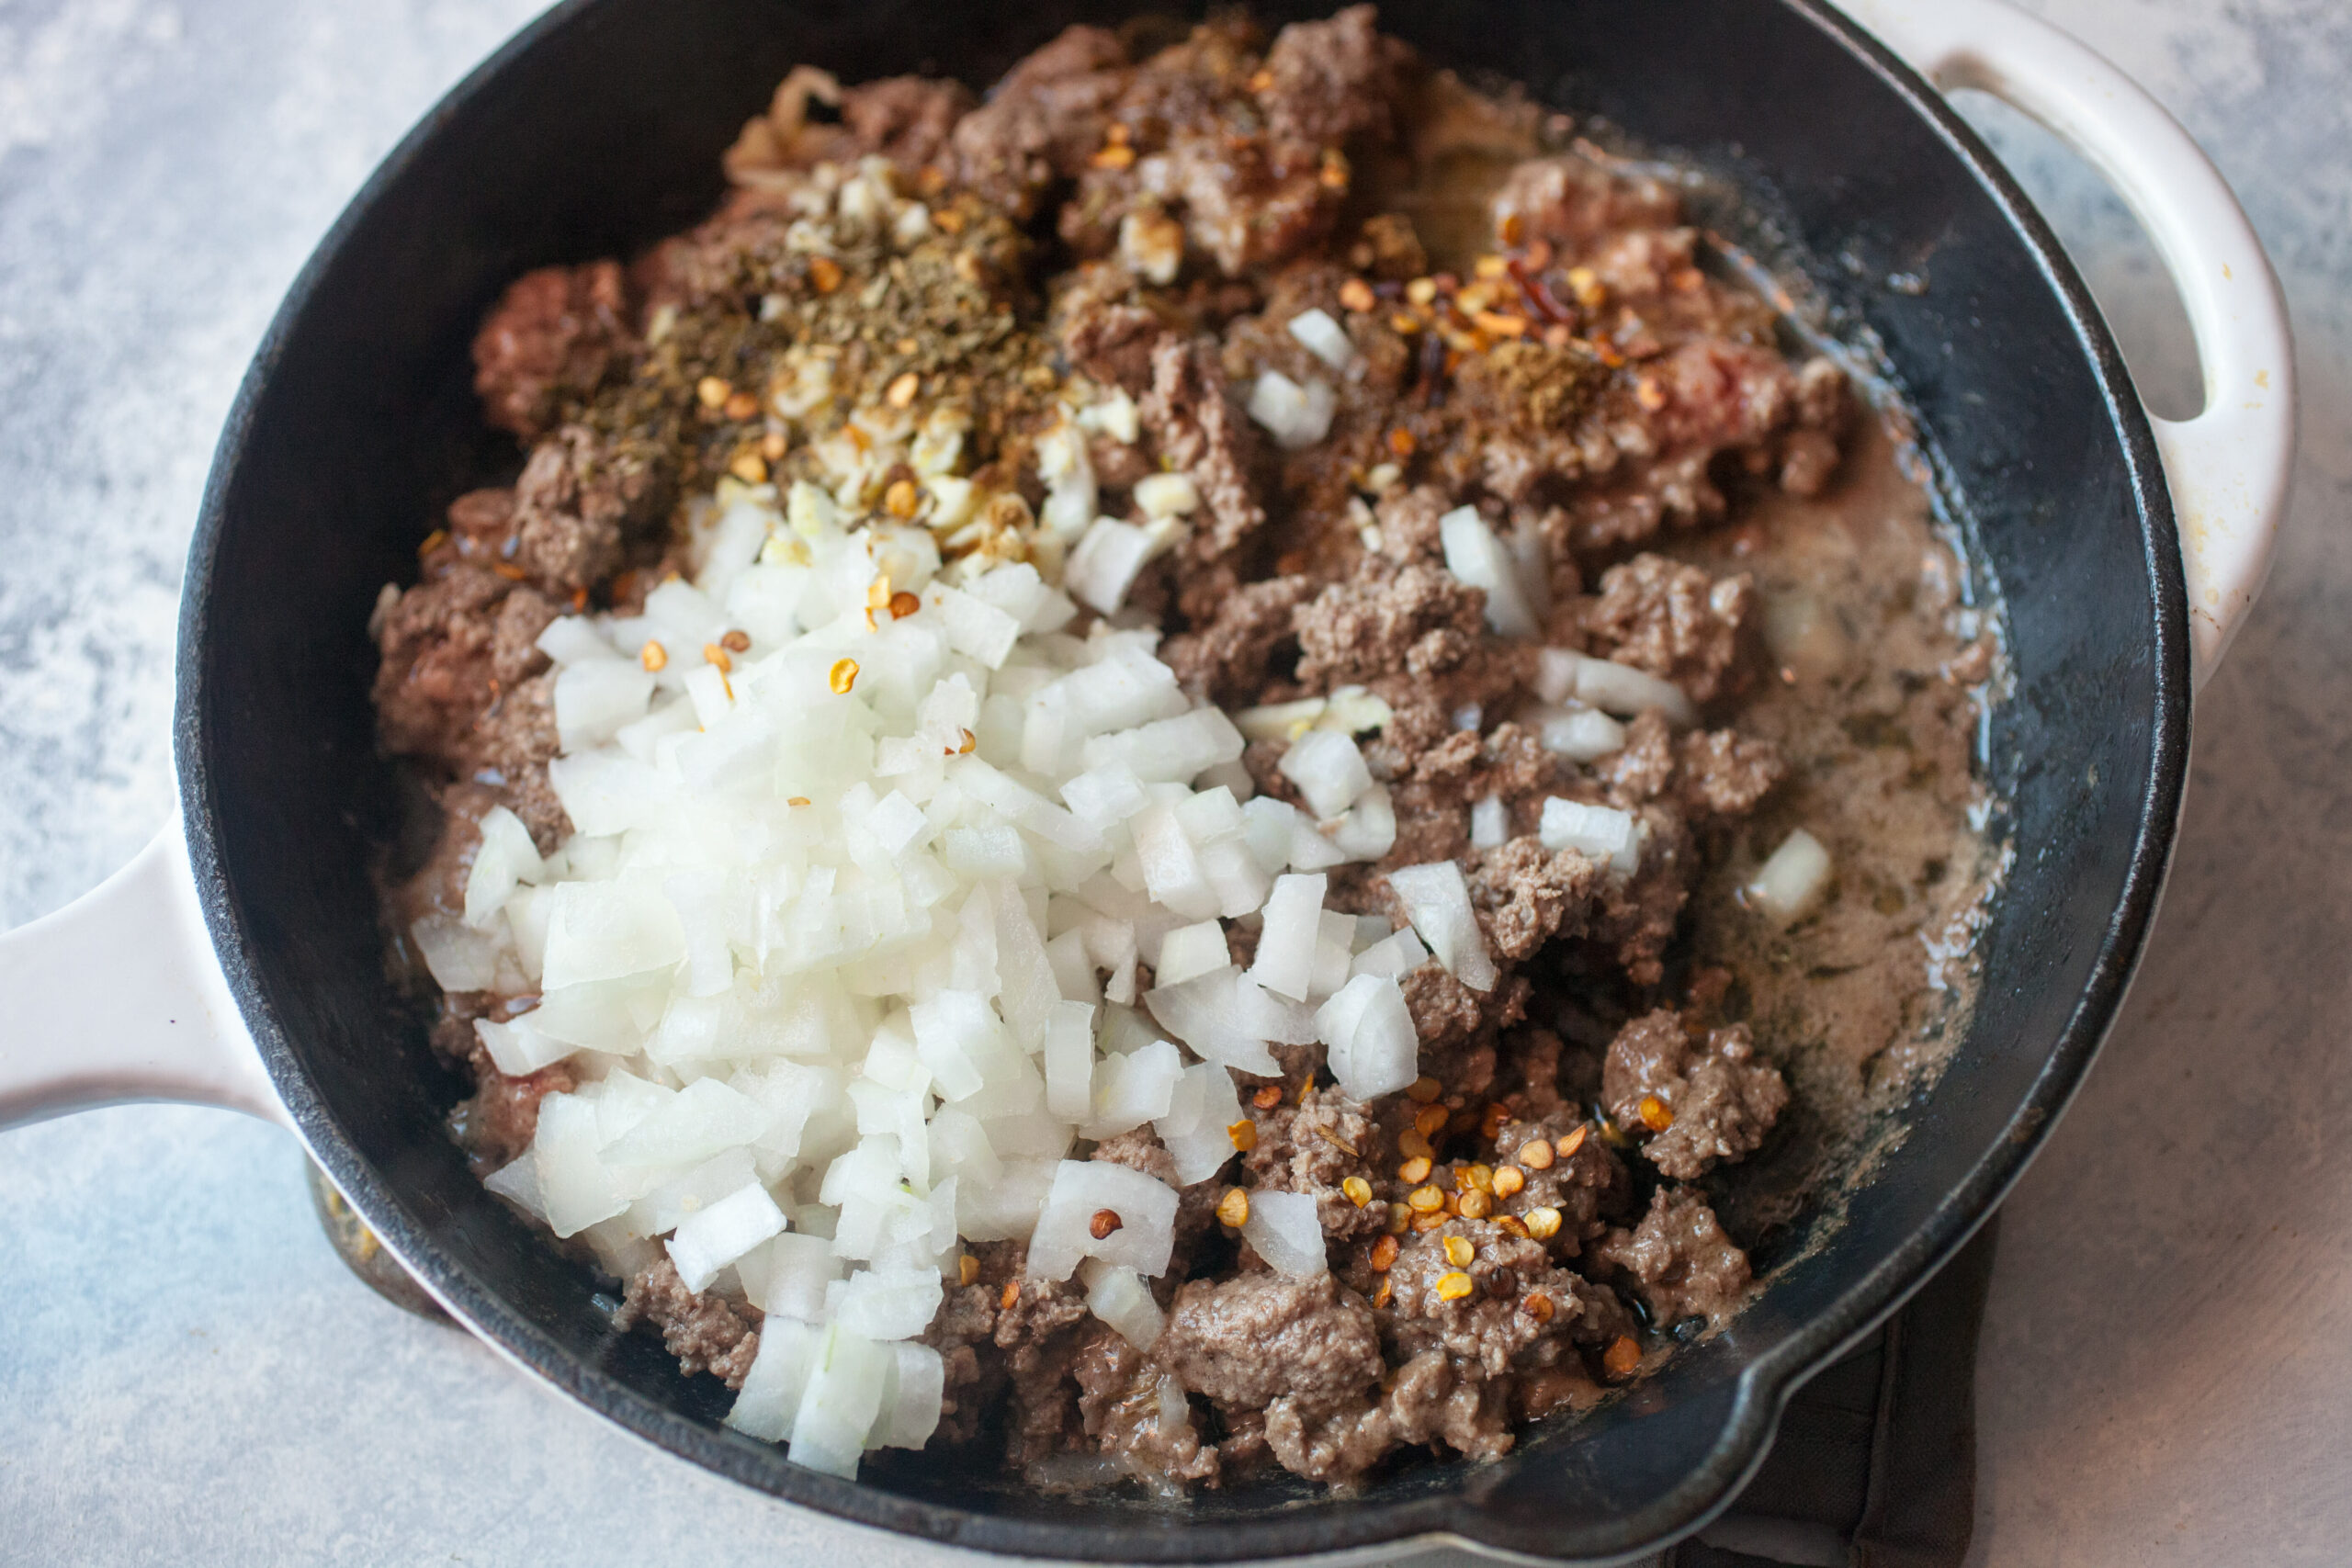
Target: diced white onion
x,y
1297,417
1287,1233
1145,1207
1119,1297
1599,833
1324,338
1329,770
1489,823
1610,686
1375,1049
1437,900
1789,885
1481,560
1108,558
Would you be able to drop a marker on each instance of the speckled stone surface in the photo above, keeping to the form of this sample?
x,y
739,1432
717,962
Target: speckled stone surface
x,y
188,1376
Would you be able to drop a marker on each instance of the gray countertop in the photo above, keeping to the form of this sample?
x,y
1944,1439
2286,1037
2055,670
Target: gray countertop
x,y
188,1375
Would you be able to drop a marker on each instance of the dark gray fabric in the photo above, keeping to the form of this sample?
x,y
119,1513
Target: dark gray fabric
x,y
1875,1463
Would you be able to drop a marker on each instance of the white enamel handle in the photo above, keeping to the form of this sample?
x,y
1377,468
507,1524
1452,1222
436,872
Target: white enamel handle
x,y
118,997
2230,467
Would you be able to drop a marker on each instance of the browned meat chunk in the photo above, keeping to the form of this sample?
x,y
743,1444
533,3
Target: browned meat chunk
x,y
1197,427
1331,80
1672,620
1312,1146
549,342
450,646
1227,660
1526,894
1702,1100
1416,618
1045,119
1137,1413
1680,1259
907,119
1251,1339
576,499
1572,201
704,1332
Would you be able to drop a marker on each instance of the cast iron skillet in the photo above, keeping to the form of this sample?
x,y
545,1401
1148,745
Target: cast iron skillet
x,y
598,130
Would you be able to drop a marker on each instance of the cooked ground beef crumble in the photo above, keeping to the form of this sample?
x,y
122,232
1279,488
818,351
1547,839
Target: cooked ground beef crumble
x,y
1532,1222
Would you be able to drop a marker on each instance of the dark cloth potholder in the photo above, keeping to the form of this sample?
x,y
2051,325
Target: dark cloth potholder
x,y
1875,1463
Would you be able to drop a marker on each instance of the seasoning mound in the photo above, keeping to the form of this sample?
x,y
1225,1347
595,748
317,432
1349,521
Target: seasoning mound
x,y
1070,785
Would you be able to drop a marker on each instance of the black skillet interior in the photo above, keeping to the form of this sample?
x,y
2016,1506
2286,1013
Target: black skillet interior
x,y
598,130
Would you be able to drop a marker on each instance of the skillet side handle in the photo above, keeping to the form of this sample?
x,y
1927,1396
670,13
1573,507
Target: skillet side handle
x,y
116,998
2231,467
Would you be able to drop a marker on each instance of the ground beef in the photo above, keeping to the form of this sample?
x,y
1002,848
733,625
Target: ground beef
x,y
498,1121
706,1333
1138,1413
1527,894
1419,619
1044,120
1331,80
1572,201
1312,1146
1226,661
1195,425
1250,1340
1672,620
578,497
907,119
1680,1259
1718,1099
448,643
553,336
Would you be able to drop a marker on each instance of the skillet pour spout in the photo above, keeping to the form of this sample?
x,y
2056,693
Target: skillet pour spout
x,y
598,130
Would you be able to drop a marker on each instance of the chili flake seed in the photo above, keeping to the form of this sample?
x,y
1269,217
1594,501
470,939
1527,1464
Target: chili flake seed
x,y
741,406
1512,1223
1404,323
1585,284
1105,1221
1422,291
1481,1177
714,654
1386,1293
713,392
1452,1202
774,444
825,273
1452,1285
967,741
1414,1146
1399,1216
1459,1252
653,656
1622,1358
948,219
1384,1254
737,641
1244,1134
1536,1153
1509,1180
1537,1305
1568,1146
903,604
1649,394
1496,1115
1358,1190
1424,1224
509,570
902,391
901,498
1424,1088
1010,1294
968,1269
1657,1115
434,541
1117,155
1494,324
1307,1088
579,600
842,676
1514,228
796,800
1430,1123
1542,1224
1267,1098
1401,442
1425,1199
750,468
1233,1209
1356,295
1476,1205
1415,1171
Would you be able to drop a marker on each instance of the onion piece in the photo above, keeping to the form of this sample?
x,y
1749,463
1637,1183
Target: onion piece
x,y
710,1239
1297,417
1145,1207
1329,770
1118,1296
1294,913
1600,833
1474,555
1375,1047
1324,338
1790,883
1287,1233
1437,900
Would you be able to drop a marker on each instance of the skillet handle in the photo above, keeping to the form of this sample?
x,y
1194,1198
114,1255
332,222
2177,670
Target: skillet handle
x,y
2230,468
116,996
